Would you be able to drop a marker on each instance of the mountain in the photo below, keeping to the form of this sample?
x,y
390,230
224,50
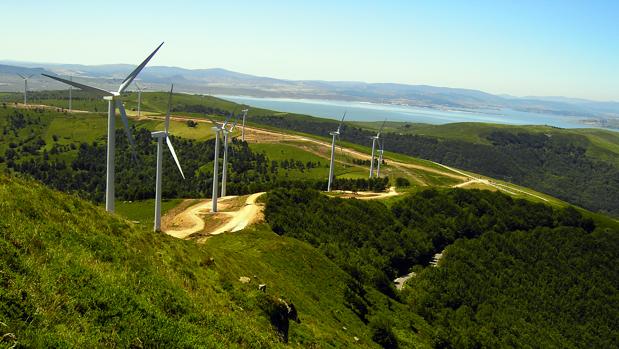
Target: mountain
x,y
222,81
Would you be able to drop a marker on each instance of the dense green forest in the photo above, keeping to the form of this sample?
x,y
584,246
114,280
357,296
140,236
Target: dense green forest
x,y
80,168
527,247
545,287
556,164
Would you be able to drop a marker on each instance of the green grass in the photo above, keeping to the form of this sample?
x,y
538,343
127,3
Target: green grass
x,y
77,128
143,211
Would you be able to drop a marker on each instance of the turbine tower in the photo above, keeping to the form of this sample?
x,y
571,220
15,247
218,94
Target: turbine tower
x,y
244,111
217,128
160,136
381,142
70,95
374,140
334,134
25,87
224,166
114,101
140,89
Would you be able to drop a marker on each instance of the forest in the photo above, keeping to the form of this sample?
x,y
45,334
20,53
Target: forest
x,y
500,252
557,165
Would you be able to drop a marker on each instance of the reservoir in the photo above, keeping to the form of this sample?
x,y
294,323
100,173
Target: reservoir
x,y
362,111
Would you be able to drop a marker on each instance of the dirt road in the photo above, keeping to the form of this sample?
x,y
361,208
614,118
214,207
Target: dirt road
x,y
366,195
193,220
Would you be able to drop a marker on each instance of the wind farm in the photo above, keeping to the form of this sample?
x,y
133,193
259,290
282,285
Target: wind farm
x,y
114,102
329,181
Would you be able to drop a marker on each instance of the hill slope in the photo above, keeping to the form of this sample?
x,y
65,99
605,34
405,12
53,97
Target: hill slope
x,y
73,275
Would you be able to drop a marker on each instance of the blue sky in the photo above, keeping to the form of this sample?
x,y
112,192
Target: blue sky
x,y
567,48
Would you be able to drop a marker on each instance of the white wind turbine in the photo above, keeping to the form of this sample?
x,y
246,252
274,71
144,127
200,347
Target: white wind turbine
x,y
140,89
160,136
70,95
374,140
217,128
25,87
381,142
113,98
334,134
224,166
244,111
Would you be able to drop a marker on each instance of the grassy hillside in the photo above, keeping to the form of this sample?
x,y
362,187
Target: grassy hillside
x,y
72,275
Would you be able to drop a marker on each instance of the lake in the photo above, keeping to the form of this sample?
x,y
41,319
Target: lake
x,y
361,111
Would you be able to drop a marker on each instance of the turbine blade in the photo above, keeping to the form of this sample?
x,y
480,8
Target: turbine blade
x,y
136,71
342,121
95,90
167,118
236,121
213,121
381,127
171,147
123,116
29,76
21,76
137,86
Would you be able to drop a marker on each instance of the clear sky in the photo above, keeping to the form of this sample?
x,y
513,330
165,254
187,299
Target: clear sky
x,y
567,48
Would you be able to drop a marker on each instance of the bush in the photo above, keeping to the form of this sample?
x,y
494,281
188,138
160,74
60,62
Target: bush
x,y
382,332
402,182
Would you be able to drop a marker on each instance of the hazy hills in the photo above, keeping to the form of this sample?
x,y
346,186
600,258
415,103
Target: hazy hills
x,y
221,81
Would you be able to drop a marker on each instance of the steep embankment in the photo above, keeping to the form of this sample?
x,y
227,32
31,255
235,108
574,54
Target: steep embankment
x,y
73,275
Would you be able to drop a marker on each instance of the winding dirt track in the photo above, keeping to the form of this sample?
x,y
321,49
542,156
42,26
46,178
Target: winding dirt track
x,y
193,218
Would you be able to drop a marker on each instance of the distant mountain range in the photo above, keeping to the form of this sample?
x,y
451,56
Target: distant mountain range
x,y
221,81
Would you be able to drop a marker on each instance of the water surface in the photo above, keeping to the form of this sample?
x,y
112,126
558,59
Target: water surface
x,y
361,111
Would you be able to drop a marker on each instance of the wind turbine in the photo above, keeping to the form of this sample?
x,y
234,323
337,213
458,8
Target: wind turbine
x,y
113,99
224,168
25,87
217,128
374,140
140,89
381,142
160,136
70,94
244,111
334,134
